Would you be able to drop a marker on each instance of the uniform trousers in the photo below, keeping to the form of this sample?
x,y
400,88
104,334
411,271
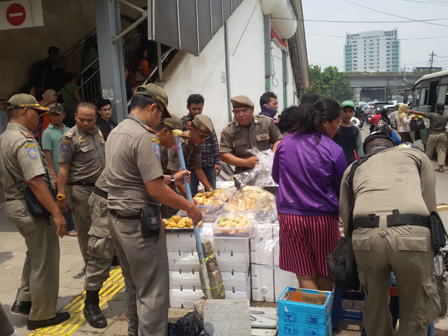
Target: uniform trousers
x,y
408,252
6,327
40,275
437,142
144,262
77,200
101,246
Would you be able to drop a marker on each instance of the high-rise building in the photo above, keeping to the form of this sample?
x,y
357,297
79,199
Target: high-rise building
x,y
372,51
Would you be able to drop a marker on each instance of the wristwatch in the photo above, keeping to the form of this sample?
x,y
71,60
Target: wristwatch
x,y
172,181
60,197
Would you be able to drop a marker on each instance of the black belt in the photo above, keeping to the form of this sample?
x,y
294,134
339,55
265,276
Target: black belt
x,y
83,184
372,221
100,192
116,214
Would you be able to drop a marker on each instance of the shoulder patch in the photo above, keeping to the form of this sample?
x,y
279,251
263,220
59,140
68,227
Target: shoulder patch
x,y
65,141
32,153
70,133
31,145
155,140
100,134
157,150
26,134
64,147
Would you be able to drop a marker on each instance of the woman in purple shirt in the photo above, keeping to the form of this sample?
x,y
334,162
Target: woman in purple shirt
x,y
308,167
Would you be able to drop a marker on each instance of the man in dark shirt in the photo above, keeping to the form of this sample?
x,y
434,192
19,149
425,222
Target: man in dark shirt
x,y
104,122
437,134
210,149
348,135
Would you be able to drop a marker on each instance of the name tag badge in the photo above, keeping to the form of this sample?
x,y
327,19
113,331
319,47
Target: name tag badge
x,y
262,137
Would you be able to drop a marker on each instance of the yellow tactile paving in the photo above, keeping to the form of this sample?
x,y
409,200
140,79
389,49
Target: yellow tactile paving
x,y
111,287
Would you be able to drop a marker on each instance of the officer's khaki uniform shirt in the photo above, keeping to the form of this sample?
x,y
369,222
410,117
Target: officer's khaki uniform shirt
x,y
101,183
192,156
132,159
23,158
240,141
438,122
85,154
398,178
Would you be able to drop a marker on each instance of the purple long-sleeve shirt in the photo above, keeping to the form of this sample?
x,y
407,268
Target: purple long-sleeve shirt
x,y
309,175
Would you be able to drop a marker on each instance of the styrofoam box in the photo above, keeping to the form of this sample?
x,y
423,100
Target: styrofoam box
x,y
262,245
189,261
234,245
180,241
233,282
283,279
262,283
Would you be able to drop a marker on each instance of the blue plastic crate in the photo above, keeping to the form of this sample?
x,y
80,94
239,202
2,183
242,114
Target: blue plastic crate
x,y
306,318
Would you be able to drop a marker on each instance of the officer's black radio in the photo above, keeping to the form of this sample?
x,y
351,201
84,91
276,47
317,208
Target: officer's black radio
x,y
150,220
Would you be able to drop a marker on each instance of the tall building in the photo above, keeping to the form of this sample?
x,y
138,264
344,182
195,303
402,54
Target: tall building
x,y
372,51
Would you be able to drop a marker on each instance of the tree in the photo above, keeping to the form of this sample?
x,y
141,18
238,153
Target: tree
x,y
329,83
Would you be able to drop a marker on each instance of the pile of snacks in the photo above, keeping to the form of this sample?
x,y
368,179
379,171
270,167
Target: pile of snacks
x,y
232,225
209,198
178,222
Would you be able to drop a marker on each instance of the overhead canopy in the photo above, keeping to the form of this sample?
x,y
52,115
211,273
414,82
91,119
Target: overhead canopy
x,y
187,25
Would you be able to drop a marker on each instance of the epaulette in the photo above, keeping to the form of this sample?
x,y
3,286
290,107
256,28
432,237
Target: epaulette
x,y
149,129
27,135
100,134
70,133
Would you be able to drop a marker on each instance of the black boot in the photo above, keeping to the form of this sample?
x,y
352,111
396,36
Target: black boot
x,y
92,311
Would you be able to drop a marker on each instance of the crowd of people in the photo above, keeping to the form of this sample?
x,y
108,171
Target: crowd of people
x,y
116,179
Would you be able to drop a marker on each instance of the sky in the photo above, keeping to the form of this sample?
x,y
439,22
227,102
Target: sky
x,y
325,51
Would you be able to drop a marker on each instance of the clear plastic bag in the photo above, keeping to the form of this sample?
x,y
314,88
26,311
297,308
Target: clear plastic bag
x,y
260,175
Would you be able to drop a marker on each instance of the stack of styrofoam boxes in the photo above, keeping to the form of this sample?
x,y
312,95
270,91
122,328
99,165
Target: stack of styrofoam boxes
x,y
185,287
268,280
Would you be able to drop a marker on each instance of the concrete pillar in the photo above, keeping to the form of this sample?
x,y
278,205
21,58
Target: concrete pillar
x,y
356,93
108,25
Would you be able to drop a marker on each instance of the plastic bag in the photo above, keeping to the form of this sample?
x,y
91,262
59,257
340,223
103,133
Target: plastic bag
x,y
259,176
189,325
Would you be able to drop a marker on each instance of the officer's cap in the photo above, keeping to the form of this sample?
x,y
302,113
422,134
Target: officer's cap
x,y
173,122
203,123
241,101
56,108
23,100
155,92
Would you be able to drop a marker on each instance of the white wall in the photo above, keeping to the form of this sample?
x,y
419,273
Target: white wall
x,y
202,74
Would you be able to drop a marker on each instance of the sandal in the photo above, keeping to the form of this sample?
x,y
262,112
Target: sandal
x,y
72,233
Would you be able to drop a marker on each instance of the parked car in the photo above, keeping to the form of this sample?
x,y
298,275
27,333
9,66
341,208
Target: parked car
x,y
393,116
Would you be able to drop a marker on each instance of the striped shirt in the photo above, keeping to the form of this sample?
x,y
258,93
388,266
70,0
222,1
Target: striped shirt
x,y
209,150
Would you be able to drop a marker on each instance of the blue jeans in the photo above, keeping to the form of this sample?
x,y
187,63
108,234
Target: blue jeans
x,y
211,177
69,219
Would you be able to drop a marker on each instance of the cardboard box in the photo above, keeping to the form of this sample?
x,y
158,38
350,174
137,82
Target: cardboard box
x,y
304,312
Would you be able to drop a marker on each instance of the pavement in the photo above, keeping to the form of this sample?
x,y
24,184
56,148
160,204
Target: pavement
x,y
12,256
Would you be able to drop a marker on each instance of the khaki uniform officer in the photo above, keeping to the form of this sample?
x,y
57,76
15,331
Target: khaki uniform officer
x,y
391,234
101,251
198,132
437,134
136,183
81,160
246,133
23,165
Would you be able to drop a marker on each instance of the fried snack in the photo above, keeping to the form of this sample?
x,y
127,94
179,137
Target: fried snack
x,y
177,222
209,198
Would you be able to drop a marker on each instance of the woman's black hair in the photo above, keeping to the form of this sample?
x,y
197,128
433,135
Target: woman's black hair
x,y
288,119
385,116
310,120
26,88
70,76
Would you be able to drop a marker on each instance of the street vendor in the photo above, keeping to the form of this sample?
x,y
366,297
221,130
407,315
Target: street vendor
x,y
198,132
246,133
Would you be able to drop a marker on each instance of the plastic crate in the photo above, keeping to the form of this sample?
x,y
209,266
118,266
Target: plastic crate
x,y
304,312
